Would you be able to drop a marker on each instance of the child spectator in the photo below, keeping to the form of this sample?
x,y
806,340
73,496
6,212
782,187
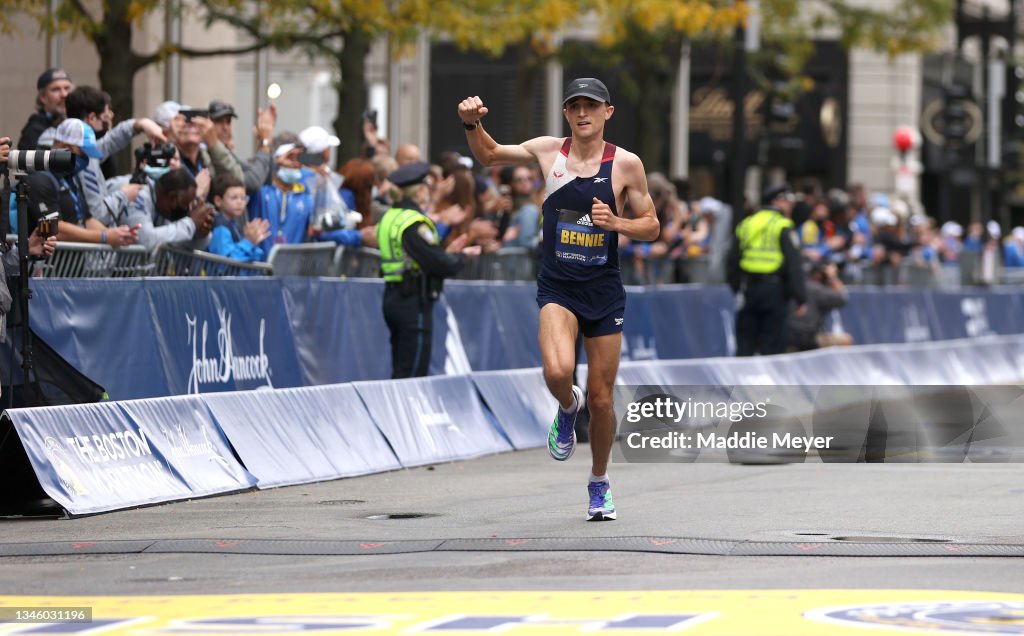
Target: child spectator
x,y
233,236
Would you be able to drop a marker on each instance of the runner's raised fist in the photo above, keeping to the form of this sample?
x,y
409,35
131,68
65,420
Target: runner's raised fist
x,y
472,109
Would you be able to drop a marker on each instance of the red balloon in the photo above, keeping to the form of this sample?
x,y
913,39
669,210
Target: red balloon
x,y
903,139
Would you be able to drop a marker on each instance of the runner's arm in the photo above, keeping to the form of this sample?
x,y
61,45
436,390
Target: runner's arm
x,y
644,225
489,152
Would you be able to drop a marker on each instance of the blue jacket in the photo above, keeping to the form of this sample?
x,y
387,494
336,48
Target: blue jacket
x,y
289,213
227,240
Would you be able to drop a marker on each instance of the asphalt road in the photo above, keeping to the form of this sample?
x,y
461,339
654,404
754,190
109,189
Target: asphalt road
x,y
524,515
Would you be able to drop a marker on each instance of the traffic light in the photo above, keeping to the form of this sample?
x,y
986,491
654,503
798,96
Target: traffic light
x,y
956,117
1013,103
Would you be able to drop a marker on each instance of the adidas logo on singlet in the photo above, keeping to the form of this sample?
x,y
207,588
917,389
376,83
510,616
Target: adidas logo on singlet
x,y
585,220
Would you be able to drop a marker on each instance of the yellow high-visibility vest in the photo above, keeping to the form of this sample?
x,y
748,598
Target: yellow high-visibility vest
x,y
759,234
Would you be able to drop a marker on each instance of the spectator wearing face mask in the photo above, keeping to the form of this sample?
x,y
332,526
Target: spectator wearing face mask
x,y
286,203
175,211
50,192
91,105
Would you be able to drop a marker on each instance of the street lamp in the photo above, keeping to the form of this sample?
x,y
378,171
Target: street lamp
x,y
985,20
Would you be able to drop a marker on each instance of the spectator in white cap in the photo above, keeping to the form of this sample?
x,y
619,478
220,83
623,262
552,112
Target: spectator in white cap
x,y
317,141
61,193
286,203
165,114
108,205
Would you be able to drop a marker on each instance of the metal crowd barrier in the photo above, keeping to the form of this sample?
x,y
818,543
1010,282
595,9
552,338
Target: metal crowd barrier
x,y
302,259
172,260
508,263
360,262
89,260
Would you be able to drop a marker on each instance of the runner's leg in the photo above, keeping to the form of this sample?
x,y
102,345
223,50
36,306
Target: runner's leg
x,y
557,339
603,354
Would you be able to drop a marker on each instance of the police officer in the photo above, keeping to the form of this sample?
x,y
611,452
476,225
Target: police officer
x,y
765,271
414,266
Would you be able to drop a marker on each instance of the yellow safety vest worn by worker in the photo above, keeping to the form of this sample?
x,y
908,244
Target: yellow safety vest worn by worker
x,y
393,260
759,234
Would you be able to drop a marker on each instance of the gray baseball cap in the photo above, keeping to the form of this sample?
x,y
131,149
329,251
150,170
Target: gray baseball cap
x,y
587,87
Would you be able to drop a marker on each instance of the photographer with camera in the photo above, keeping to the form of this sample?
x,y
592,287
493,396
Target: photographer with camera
x,y
39,245
92,106
190,130
61,192
175,211
53,87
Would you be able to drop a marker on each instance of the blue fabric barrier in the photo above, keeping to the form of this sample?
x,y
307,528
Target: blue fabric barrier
x,y
339,329
498,323
692,321
225,336
521,403
146,337
295,436
105,329
99,457
431,420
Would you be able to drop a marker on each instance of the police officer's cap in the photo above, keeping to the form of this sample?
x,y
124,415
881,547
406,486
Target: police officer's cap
x,y
410,174
774,192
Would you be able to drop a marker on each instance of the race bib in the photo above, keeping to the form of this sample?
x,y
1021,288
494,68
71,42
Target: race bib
x,y
579,241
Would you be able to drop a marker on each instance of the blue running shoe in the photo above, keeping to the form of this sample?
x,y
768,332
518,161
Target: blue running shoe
x,y
562,436
601,506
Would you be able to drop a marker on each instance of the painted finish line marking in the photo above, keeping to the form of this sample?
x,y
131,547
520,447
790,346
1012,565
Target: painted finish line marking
x,y
704,612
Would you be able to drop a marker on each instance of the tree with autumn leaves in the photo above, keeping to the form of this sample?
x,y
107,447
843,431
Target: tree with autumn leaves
x,y
639,40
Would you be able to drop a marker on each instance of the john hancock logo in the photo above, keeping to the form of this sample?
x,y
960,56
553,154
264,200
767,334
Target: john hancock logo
x,y
226,365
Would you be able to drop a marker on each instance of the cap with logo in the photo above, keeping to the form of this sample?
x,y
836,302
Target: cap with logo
x,y
774,192
410,174
51,75
587,87
315,139
76,132
219,109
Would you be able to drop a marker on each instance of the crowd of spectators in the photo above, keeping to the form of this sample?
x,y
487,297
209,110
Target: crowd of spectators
x,y
190,188
870,237
198,192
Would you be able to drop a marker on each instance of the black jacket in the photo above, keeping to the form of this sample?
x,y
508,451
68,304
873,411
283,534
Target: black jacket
x,y
34,127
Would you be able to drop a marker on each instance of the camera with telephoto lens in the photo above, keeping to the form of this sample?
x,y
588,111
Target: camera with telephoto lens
x,y
56,161
147,155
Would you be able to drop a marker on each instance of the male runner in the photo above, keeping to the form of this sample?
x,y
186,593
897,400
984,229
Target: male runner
x,y
579,286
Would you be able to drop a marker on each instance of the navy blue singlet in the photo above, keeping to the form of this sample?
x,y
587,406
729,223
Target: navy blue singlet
x,y
580,265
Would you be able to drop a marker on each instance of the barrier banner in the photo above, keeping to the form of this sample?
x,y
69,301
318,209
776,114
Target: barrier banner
x,y
99,457
431,420
986,313
497,323
835,423
223,335
297,436
339,329
521,403
876,316
103,328
638,340
692,321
